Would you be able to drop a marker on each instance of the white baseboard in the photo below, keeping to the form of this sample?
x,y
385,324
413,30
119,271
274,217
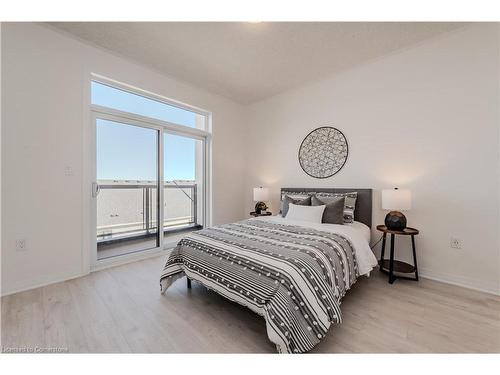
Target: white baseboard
x,y
33,284
464,282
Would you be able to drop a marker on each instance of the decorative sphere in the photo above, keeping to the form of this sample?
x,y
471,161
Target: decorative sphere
x,y
259,207
395,220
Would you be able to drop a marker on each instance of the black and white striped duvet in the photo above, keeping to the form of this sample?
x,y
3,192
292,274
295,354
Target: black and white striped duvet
x,y
292,275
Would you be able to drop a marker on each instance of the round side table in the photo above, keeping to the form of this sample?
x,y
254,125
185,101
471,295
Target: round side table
x,y
390,266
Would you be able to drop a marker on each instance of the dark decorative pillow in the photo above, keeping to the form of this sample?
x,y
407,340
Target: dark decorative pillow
x,y
349,203
334,209
294,195
287,200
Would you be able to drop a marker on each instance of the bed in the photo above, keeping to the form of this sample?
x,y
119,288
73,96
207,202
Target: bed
x,y
293,273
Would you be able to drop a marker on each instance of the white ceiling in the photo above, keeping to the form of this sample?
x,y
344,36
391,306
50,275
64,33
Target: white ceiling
x,y
251,61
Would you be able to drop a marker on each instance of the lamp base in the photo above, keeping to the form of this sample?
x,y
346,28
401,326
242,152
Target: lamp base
x,y
395,220
259,207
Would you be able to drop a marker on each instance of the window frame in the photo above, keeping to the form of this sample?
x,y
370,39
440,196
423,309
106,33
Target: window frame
x,y
152,96
164,127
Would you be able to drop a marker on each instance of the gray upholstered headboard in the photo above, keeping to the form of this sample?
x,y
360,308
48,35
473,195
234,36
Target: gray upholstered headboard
x,y
363,210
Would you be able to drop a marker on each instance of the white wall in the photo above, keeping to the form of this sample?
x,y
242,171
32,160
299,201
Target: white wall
x,y
426,119
44,75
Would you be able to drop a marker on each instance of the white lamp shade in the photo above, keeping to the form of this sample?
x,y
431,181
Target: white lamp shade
x,y
396,199
260,194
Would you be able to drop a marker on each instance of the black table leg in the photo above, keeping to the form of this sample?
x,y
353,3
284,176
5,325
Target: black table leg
x,y
189,283
382,252
414,256
391,262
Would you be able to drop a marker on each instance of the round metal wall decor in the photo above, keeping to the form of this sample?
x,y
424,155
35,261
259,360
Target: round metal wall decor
x,y
323,152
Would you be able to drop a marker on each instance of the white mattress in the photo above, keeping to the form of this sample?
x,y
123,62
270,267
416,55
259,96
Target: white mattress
x,y
358,233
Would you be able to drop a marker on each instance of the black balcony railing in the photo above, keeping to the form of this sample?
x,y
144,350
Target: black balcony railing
x,y
128,210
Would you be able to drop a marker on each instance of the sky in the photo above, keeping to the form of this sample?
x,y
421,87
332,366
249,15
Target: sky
x,y
127,152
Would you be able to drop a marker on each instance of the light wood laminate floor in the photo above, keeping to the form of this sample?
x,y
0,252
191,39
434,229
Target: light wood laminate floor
x,y
121,310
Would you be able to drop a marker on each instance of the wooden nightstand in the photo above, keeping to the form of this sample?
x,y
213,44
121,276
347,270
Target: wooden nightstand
x,y
391,265
267,213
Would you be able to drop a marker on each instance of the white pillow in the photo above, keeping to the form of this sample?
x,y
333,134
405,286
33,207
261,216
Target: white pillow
x,y
312,214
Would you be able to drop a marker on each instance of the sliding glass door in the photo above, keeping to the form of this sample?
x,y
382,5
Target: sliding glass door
x,y
144,172
127,187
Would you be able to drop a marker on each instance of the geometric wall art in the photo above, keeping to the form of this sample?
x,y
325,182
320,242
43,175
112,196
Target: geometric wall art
x,y
323,152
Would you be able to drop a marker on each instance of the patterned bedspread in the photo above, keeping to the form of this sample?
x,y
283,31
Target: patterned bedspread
x,y
294,276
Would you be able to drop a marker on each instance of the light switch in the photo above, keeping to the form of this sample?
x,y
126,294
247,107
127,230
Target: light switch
x,y
68,171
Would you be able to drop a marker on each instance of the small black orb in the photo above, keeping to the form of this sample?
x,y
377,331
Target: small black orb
x,y
395,220
259,207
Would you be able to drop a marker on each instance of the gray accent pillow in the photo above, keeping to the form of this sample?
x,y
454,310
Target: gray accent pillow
x,y
297,195
334,209
349,203
287,200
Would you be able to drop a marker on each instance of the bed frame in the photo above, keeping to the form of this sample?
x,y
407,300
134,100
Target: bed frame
x,y
363,209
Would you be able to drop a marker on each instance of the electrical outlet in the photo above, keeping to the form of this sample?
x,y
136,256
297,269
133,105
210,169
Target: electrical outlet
x,y
455,243
21,245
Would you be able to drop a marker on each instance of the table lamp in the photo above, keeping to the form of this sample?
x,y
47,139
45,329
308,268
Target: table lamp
x,y
395,200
